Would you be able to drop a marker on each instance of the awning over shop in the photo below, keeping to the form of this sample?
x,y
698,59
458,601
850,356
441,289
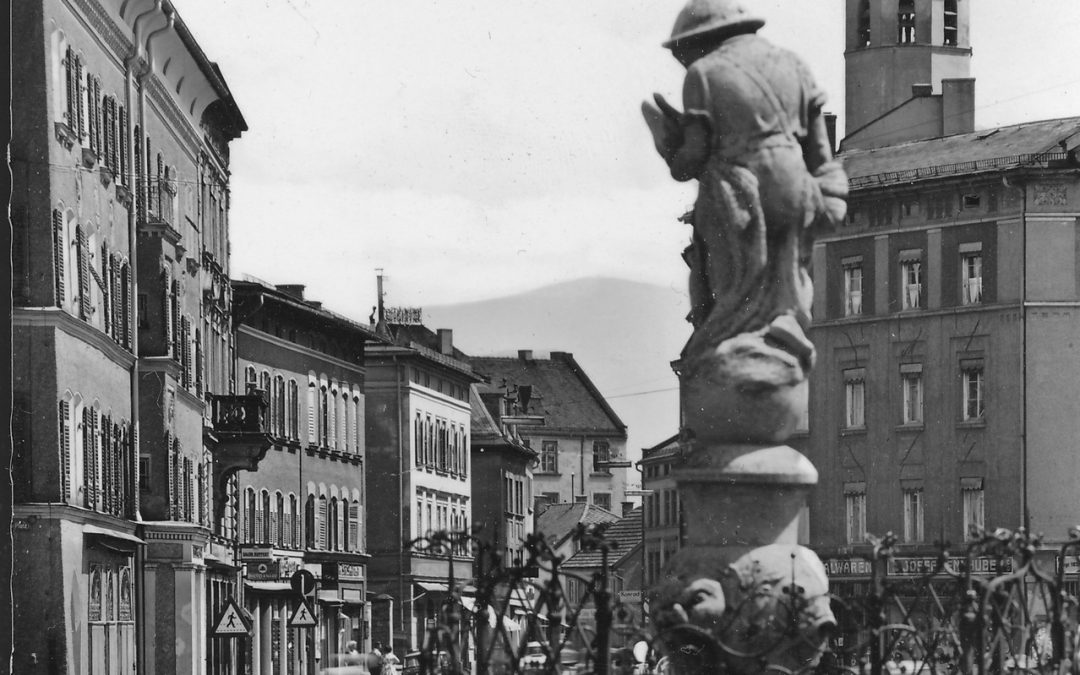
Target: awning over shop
x,y
121,541
433,586
269,586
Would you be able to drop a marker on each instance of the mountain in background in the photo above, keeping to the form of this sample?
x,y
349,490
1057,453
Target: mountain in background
x,y
623,333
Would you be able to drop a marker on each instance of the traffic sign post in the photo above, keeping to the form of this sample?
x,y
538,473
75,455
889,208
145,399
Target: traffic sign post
x,y
303,583
302,617
231,622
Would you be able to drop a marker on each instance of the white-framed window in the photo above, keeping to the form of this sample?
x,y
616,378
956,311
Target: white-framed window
x,y
951,23
912,386
913,514
971,490
855,398
853,288
971,379
971,276
855,512
549,457
911,283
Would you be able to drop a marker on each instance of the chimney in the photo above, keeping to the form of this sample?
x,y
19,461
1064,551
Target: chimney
x,y
922,90
957,106
627,507
525,354
446,341
292,290
830,128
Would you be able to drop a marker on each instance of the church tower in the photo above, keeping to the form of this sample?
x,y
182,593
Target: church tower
x,y
898,51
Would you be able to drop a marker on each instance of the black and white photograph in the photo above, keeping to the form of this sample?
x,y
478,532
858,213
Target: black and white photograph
x,y
543,337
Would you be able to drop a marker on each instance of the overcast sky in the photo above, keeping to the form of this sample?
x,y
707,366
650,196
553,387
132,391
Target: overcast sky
x,y
475,148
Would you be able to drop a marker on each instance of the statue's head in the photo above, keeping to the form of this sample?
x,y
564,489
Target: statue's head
x,y
703,24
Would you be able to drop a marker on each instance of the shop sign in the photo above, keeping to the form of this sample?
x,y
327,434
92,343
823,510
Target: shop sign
x,y
260,553
853,566
1071,563
342,572
917,566
288,567
630,596
262,570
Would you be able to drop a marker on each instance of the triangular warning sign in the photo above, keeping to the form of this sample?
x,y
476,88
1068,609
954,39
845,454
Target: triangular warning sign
x,y
231,621
303,617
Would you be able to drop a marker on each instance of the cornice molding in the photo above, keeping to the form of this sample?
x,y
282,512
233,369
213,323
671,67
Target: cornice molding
x,y
54,317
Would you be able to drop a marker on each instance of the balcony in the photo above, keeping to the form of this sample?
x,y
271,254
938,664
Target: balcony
x,y
238,438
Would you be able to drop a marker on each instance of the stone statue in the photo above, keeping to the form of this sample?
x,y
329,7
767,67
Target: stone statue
x,y
753,135
742,595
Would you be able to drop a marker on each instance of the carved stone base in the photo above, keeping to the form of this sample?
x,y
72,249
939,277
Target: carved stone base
x,y
743,593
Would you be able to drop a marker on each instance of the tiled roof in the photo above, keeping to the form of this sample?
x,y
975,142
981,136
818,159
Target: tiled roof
x,y
561,391
482,424
669,447
626,533
1017,145
558,521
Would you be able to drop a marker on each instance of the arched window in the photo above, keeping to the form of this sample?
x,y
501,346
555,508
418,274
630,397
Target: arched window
x,y
418,439
277,520
279,405
67,435
354,526
863,30
324,416
262,518
309,523
321,524
292,538
906,22
250,512
292,411
333,542
312,406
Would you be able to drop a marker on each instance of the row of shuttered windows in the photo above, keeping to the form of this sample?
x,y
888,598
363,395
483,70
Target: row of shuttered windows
x,y
335,410
183,342
189,485
97,471
329,524
440,444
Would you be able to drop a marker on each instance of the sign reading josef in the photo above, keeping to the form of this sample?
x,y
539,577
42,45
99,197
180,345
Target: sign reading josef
x,y
231,622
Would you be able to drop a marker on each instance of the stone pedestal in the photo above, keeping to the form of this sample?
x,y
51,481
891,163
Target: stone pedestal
x,y
742,591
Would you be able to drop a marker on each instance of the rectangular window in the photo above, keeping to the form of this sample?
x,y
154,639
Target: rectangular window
x,y
855,398
951,22
549,457
602,499
971,278
853,289
601,454
974,506
906,22
855,512
911,283
913,515
972,380
911,380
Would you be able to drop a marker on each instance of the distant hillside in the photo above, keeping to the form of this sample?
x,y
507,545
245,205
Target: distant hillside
x,y
623,333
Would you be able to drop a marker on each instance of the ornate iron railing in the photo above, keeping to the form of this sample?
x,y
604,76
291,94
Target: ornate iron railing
x,y
993,609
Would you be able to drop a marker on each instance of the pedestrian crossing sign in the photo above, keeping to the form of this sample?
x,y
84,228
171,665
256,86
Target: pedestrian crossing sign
x,y
231,622
303,617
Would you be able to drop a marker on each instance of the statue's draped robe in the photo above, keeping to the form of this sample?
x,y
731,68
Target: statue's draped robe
x,y
766,181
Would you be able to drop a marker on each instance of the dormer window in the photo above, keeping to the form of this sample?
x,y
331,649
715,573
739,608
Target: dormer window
x,y
863,35
951,22
906,22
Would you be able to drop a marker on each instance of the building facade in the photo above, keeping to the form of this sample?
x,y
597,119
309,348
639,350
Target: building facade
x,y
305,507
119,212
418,436
582,443
942,396
661,511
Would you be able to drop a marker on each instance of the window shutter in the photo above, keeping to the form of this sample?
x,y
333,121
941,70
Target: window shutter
x,y
122,145
320,525
185,352
125,302
189,491
106,287
65,450
114,290
198,363
92,119
84,272
178,336
311,412
106,466
167,308
97,117
274,526
72,89
354,526
58,255
80,109
287,528
113,137
259,532
171,446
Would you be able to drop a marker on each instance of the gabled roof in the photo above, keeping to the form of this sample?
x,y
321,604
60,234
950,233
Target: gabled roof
x,y
625,533
561,391
989,150
485,431
559,521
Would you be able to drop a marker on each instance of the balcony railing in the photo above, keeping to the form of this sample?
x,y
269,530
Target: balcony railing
x,y
244,414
